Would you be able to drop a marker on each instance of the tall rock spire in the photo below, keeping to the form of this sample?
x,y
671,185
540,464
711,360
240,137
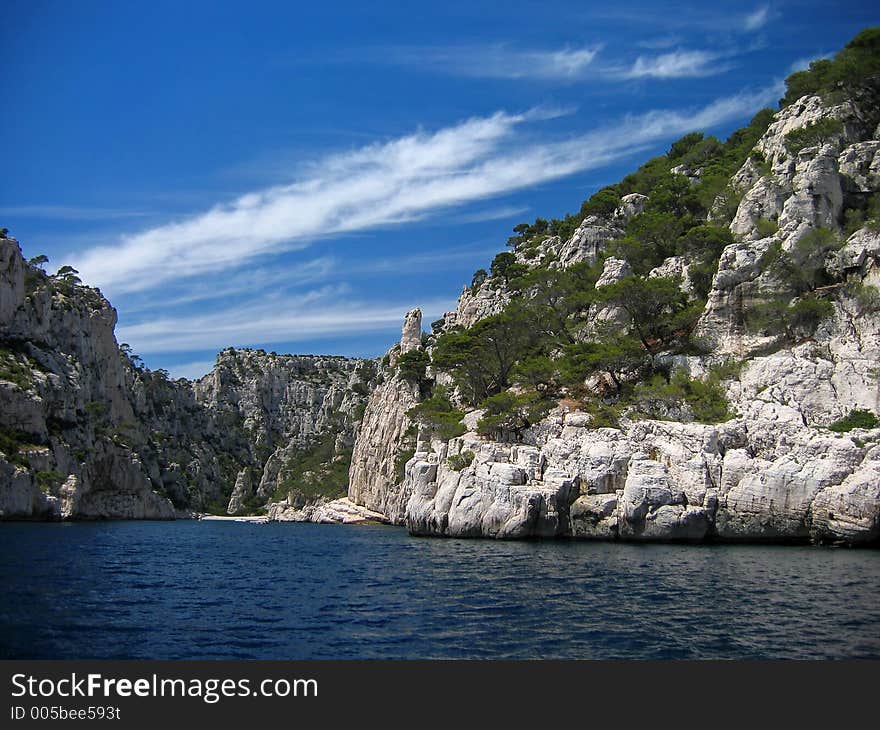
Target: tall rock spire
x,y
411,336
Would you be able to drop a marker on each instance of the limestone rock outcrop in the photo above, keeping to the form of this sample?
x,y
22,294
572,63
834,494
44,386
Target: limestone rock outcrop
x,y
66,418
384,438
794,194
411,338
654,480
338,511
595,233
476,303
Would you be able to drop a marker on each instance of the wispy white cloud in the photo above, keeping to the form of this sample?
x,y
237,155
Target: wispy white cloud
x,y
288,281
313,315
706,17
379,185
70,212
437,260
233,284
493,214
497,61
562,65
757,19
674,65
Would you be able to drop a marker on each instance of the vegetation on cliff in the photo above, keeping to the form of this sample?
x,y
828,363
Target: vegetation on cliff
x,y
608,348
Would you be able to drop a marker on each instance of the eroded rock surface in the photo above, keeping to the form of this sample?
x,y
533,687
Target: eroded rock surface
x,y
89,433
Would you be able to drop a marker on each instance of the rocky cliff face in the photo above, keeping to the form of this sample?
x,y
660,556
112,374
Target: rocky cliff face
x,y
67,421
773,472
284,409
796,192
88,433
591,238
386,439
744,480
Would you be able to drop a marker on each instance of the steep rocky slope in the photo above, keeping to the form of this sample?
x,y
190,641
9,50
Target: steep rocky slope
x,y
796,455
66,416
87,432
386,439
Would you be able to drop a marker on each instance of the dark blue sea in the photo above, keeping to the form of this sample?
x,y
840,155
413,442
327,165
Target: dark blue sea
x,y
221,590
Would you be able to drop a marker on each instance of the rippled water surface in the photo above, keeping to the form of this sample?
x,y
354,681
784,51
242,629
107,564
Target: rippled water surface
x,y
190,590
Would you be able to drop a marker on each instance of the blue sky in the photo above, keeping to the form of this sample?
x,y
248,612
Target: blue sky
x,y
295,176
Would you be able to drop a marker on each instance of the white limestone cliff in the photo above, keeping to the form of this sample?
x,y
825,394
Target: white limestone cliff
x,y
774,472
384,438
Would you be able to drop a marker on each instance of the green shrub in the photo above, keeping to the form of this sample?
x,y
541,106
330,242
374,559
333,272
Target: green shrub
x,y
872,212
656,306
509,414
612,355
651,237
683,146
805,315
439,415
97,409
403,456
13,370
11,442
526,232
856,64
360,388
701,274
705,398
49,481
727,370
602,203
457,462
704,244
865,213
765,227
853,219
411,365
603,415
537,372
856,418
504,267
124,435
816,133
867,297
804,267
794,319
316,471
481,359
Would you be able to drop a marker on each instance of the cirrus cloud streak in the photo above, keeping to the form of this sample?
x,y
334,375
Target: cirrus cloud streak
x,y
384,184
